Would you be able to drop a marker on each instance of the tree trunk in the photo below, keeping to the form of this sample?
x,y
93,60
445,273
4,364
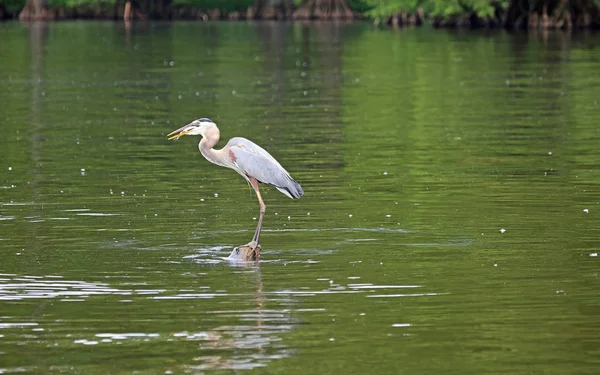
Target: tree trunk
x,y
324,9
127,12
550,14
33,10
272,9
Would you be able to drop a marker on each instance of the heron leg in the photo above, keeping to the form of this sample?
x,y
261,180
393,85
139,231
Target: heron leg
x,y
251,250
263,209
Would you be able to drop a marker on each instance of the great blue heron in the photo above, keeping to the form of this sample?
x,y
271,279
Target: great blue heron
x,y
250,160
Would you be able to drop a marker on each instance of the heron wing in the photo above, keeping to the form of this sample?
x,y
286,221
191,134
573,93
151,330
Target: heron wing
x,y
256,162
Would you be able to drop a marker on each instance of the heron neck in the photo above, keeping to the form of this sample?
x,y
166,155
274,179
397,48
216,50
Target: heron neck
x,y
209,140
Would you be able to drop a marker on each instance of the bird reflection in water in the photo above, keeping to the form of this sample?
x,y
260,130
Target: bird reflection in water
x,y
250,343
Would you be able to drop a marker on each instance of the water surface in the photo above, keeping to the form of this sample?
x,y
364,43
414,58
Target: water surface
x,y
449,223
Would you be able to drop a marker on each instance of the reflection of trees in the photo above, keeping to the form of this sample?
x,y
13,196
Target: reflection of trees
x,y
454,135
303,66
38,36
583,133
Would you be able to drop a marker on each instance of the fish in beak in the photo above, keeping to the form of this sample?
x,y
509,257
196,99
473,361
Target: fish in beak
x,y
176,134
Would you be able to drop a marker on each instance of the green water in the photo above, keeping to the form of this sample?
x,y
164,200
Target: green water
x,y
449,223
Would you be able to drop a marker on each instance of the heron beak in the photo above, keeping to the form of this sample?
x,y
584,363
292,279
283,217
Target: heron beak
x,y
176,134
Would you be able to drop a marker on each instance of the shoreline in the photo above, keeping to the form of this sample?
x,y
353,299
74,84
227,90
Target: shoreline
x,y
505,19
435,24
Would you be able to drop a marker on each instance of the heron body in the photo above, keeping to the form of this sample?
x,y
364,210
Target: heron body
x,y
248,159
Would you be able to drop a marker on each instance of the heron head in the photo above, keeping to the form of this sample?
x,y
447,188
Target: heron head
x,y
196,127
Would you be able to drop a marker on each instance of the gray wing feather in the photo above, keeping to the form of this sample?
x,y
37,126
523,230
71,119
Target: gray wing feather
x,y
256,162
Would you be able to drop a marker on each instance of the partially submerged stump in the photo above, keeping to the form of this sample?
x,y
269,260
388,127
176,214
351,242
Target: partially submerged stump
x,y
245,253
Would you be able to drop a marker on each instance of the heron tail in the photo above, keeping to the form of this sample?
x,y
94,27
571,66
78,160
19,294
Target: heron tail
x,y
292,189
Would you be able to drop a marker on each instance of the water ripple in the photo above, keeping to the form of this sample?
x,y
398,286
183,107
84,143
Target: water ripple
x,y
14,288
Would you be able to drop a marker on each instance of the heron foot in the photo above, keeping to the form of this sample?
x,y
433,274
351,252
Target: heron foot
x,y
249,251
